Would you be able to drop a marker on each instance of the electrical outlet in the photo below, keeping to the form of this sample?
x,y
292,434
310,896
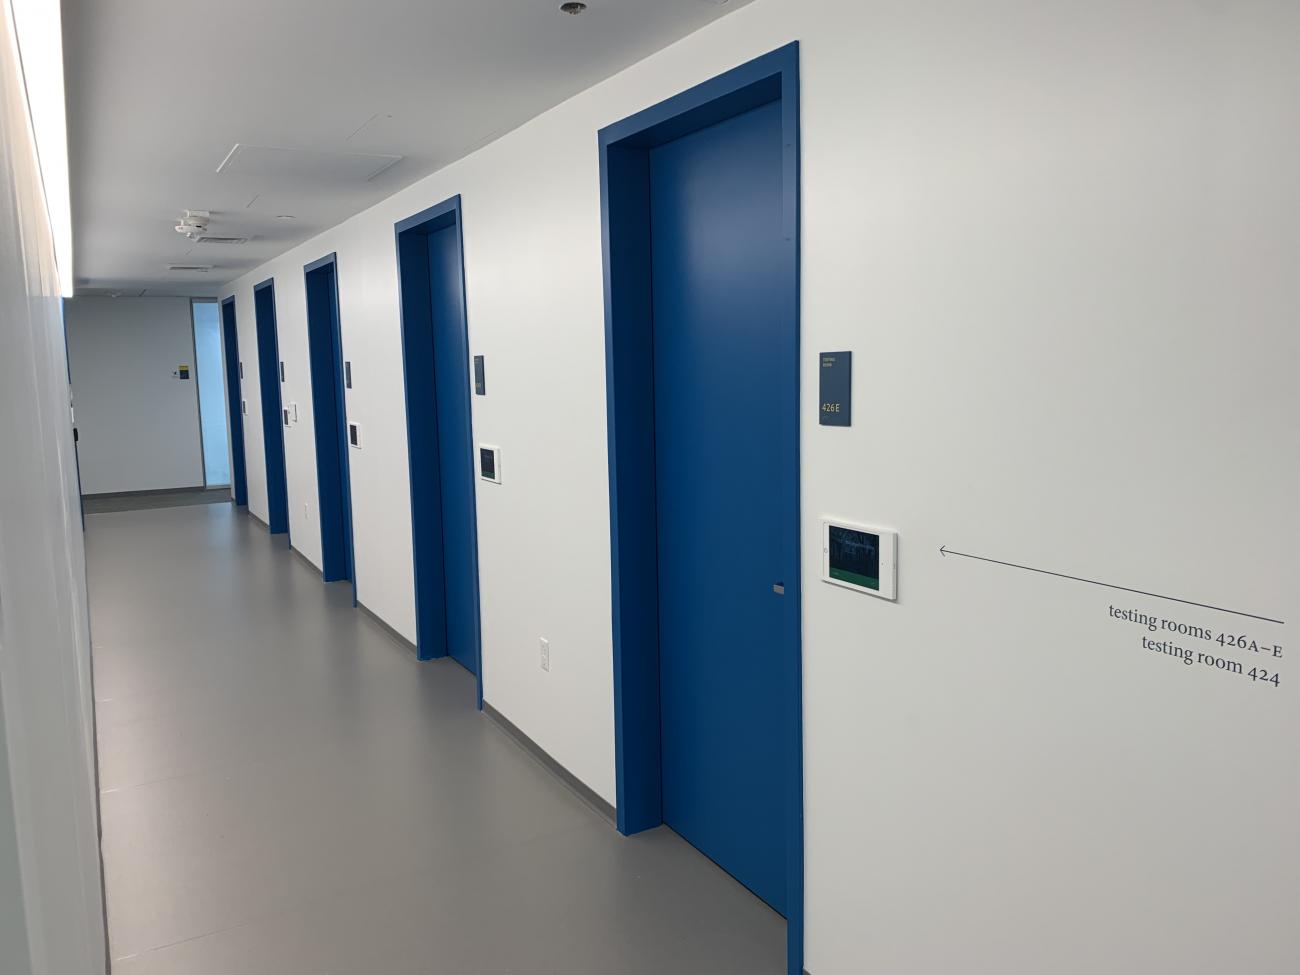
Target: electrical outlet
x,y
546,654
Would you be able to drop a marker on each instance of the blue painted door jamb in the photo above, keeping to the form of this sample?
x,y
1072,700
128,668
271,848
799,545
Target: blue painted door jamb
x,y
234,401
268,370
330,374
417,368
624,152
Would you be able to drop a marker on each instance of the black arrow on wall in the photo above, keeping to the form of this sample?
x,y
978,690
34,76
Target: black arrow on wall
x,y
945,551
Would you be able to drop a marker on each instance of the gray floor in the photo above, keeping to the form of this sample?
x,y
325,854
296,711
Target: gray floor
x,y
286,790
95,504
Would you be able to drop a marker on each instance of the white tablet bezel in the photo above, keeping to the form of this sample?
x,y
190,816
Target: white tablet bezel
x,y
888,558
496,464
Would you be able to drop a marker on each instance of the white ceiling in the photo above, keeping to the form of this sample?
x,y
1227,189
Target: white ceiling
x,y
161,91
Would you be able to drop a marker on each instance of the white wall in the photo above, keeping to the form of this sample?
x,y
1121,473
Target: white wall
x,y
299,438
138,423
1062,239
49,816
15,954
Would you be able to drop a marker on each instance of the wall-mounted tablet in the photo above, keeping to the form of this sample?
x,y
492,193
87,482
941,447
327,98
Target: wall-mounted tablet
x,y
489,463
860,557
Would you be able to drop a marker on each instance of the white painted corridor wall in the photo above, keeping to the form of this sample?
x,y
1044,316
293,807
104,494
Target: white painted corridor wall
x,y
299,440
51,904
1062,241
138,421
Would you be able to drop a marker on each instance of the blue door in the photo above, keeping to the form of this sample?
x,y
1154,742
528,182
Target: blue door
x,y
718,268
234,402
268,374
436,364
455,451
324,342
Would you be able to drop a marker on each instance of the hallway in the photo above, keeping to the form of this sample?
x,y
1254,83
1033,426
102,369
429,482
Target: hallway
x,y
286,790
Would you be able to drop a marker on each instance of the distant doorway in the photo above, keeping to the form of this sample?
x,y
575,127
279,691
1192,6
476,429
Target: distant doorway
x,y
325,346
234,401
270,374
206,319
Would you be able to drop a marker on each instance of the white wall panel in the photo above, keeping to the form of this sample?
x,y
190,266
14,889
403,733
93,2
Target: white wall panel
x,y
51,908
1061,239
138,422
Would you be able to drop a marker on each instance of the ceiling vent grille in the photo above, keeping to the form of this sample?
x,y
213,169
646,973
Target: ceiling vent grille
x,y
203,268
110,292
206,239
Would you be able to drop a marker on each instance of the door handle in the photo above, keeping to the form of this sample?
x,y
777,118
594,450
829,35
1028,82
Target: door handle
x,y
778,588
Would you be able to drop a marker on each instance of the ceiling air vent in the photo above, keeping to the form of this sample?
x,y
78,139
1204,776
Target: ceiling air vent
x,y
206,239
204,268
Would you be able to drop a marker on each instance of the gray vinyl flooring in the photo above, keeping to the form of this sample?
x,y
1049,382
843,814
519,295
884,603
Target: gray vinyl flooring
x,y
95,504
285,789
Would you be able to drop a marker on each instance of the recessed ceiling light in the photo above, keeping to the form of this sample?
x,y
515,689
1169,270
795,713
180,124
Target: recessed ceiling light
x,y
573,8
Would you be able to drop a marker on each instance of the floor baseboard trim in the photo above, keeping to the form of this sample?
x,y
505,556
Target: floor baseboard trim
x,y
402,641
306,561
576,785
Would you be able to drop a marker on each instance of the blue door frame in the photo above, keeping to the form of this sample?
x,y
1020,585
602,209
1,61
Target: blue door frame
x,y
415,302
329,418
234,401
76,449
629,356
269,373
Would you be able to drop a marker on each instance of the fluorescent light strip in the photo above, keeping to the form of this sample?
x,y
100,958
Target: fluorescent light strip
x,y
39,29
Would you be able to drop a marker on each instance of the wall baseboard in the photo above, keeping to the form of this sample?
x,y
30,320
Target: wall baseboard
x,y
305,561
575,785
402,641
